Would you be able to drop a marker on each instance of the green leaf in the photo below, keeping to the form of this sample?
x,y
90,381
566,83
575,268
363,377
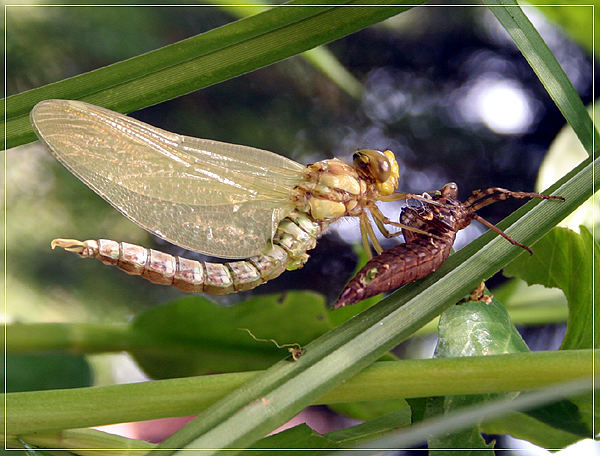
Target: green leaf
x,y
98,442
476,328
202,337
471,329
288,442
472,415
533,305
525,427
467,441
563,415
548,70
34,451
33,371
561,257
368,410
200,61
372,428
320,57
577,20
566,152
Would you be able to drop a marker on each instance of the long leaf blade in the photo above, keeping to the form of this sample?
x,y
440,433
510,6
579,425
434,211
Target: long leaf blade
x,y
200,61
548,70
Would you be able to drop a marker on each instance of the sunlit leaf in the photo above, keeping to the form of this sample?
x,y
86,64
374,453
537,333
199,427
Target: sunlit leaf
x,y
566,152
577,20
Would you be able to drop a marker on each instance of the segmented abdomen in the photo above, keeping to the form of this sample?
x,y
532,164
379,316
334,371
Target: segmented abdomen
x,y
398,266
295,234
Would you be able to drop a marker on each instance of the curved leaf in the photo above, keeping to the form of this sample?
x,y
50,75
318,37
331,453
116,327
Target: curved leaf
x,y
560,256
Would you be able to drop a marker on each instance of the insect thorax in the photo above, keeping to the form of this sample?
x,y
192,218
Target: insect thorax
x,y
333,189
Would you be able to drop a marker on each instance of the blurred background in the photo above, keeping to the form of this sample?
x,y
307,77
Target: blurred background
x,y
444,88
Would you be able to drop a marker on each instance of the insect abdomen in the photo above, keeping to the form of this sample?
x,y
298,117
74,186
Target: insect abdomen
x,y
397,266
295,235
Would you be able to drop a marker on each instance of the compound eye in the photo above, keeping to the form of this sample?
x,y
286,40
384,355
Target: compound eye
x,y
360,160
374,164
384,169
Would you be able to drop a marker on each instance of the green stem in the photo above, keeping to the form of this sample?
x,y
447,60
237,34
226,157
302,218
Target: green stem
x,y
40,411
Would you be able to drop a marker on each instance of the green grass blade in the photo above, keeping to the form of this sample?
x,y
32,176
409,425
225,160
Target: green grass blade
x,y
54,410
200,61
321,58
267,401
548,70
87,441
471,415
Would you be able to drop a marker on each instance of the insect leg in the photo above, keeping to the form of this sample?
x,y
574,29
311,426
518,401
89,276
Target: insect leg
x,y
501,233
408,196
364,222
378,215
476,201
371,233
383,230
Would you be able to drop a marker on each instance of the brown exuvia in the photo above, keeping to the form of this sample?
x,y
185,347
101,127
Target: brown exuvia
x,y
422,254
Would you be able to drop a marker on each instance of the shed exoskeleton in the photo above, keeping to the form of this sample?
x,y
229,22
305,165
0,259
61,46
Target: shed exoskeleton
x,y
442,217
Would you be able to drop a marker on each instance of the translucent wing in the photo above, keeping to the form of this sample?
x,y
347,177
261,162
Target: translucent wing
x,y
216,198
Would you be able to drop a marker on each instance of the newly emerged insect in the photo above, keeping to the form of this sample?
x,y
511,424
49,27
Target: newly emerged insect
x,y
421,255
224,200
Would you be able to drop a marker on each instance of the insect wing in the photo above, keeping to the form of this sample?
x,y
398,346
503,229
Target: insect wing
x,y
216,198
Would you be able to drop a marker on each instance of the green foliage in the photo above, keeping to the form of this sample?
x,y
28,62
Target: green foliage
x,y
372,428
569,261
291,440
193,336
200,337
44,371
525,427
471,329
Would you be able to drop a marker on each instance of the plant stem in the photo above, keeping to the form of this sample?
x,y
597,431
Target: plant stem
x,y
53,410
